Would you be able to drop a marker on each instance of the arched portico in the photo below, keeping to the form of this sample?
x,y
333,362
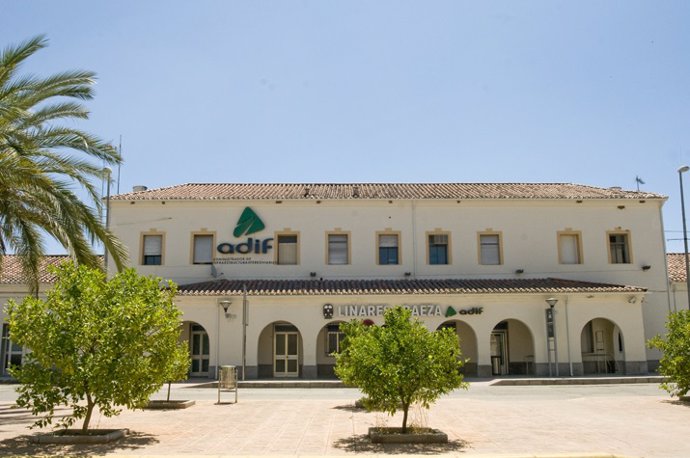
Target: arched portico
x,y
280,352
327,343
468,344
199,348
602,347
512,348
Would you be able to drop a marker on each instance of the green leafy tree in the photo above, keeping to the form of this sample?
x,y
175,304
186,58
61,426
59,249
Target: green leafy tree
x,y
179,367
675,345
399,363
44,159
95,342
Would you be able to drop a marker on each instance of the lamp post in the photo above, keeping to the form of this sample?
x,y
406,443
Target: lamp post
x,y
682,170
551,333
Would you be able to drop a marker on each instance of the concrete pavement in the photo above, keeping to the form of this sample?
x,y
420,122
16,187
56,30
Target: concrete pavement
x,y
632,420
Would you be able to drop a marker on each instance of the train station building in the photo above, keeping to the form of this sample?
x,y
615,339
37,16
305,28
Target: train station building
x,y
535,278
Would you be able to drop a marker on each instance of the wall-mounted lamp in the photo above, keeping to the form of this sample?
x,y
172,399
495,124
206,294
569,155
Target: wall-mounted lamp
x,y
519,271
407,274
646,267
312,274
225,303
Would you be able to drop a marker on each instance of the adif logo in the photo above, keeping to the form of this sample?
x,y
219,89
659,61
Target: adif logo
x,y
248,223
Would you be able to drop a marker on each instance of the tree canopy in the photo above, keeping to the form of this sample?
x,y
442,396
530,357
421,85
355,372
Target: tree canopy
x,y
399,363
44,159
675,361
107,342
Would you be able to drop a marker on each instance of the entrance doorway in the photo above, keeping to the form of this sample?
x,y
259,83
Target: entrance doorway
x,y
286,351
512,348
499,352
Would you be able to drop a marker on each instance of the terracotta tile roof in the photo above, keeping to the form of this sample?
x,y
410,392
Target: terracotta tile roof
x,y
11,273
383,287
347,191
676,267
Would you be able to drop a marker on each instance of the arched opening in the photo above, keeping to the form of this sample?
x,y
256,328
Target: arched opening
x,y
280,351
512,349
468,344
602,347
327,344
199,348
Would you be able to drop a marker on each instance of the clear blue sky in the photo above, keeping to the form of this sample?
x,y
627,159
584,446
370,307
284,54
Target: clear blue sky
x,y
589,92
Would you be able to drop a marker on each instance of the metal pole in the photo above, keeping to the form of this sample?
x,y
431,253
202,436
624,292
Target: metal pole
x,y
548,345
685,168
218,345
107,219
555,343
245,321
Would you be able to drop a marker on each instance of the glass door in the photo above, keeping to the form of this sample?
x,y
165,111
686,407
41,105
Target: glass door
x,y
286,354
499,354
200,353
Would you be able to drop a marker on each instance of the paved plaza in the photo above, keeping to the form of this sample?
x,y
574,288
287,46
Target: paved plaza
x,y
631,420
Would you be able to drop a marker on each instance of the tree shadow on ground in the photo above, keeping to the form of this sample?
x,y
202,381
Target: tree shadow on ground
x,y
21,445
350,408
677,402
362,444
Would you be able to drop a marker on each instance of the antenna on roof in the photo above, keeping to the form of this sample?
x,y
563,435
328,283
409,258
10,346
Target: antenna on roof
x,y
639,181
119,165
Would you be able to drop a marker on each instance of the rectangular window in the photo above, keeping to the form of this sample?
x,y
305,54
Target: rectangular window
x,y
334,339
489,249
438,249
12,354
203,249
338,249
388,249
569,248
619,249
153,250
287,249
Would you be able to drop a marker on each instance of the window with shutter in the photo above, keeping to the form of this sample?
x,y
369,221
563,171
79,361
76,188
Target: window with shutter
x,y
338,249
203,249
153,250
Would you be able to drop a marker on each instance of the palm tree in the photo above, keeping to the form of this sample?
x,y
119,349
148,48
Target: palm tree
x,y
41,161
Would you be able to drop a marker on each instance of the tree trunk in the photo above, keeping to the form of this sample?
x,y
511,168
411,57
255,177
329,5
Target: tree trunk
x,y
89,410
168,399
406,408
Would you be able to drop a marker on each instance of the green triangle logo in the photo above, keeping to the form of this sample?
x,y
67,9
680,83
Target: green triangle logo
x,y
450,311
248,223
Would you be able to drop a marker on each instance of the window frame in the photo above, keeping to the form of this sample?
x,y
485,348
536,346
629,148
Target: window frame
x,y
378,247
193,246
499,236
276,251
580,255
429,234
628,245
340,336
348,249
142,239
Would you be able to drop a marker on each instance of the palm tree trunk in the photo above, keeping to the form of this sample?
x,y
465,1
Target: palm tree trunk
x,y
168,399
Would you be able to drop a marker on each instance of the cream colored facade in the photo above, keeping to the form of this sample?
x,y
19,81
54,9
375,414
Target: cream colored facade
x,y
604,313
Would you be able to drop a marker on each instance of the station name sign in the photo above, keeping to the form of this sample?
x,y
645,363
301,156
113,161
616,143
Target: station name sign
x,y
417,310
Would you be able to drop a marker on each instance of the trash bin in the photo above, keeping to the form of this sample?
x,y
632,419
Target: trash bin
x,y
227,380
228,377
